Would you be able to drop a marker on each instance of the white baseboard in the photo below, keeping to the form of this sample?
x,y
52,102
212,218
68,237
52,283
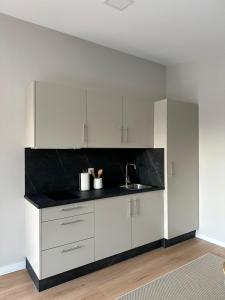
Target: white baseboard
x,y
12,268
210,240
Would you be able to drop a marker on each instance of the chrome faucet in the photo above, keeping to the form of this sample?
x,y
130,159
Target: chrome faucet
x,y
127,179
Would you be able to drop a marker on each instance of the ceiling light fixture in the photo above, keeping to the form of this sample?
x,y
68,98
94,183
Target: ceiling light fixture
x,y
119,4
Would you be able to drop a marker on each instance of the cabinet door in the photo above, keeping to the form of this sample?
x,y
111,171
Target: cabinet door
x,y
139,120
60,116
147,220
104,116
112,226
182,168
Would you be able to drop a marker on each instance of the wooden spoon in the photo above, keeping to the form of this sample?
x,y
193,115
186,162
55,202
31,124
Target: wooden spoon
x,y
100,173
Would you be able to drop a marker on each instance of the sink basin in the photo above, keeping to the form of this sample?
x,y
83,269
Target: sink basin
x,y
136,186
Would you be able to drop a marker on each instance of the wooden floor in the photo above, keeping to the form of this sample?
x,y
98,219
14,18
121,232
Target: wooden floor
x,y
113,281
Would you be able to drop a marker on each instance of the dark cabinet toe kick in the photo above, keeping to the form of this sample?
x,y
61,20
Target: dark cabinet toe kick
x,y
52,281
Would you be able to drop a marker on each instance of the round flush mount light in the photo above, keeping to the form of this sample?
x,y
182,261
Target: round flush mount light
x,y
119,4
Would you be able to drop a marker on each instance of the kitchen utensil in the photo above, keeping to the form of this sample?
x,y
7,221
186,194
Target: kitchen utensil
x,y
100,173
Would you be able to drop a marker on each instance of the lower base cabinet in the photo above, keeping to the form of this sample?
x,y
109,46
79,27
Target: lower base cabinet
x,y
64,238
112,226
126,222
147,218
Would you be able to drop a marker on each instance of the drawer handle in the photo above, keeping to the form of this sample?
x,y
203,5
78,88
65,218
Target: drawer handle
x,y
72,208
72,249
72,222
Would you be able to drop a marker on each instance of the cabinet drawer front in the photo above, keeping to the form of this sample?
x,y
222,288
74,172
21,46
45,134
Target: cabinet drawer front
x,y
64,211
68,230
64,258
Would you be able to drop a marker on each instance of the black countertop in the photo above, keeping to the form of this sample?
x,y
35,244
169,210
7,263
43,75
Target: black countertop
x,y
44,200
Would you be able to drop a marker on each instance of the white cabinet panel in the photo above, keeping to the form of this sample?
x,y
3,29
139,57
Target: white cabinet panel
x,y
67,230
64,258
33,236
60,116
176,130
55,116
182,167
147,220
112,226
116,225
139,122
104,115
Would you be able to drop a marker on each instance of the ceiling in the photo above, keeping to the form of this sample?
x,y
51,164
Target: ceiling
x,y
165,31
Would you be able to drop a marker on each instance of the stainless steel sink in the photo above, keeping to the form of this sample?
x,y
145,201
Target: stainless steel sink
x,y
136,186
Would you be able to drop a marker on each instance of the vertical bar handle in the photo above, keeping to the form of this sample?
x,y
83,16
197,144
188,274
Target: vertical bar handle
x,y
137,207
127,135
122,139
172,171
131,208
85,133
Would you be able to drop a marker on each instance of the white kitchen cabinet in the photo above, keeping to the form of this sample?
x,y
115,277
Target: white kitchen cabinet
x,y
116,121
67,257
112,226
138,122
65,237
104,119
59,116
147,218
55,116
176,130
126,222
57,245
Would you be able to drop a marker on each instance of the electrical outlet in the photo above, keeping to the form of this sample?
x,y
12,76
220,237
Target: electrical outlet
x,y
91,170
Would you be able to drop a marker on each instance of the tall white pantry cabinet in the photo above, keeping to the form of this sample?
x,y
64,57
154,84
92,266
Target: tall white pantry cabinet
x,y
176,130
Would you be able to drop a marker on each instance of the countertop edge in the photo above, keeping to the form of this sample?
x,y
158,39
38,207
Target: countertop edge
x,y
42,201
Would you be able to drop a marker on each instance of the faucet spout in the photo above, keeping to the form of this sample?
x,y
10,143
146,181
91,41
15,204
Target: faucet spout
x,y
127,179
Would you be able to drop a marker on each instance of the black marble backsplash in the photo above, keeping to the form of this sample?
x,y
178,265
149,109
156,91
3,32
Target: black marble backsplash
x,y
56,170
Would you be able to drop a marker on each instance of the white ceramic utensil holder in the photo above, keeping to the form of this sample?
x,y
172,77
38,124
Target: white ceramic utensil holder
x,y
98,183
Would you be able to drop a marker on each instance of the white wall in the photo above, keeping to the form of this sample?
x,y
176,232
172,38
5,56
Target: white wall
x,y
204,82
30,52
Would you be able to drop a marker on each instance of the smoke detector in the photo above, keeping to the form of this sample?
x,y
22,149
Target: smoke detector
x,y
119,4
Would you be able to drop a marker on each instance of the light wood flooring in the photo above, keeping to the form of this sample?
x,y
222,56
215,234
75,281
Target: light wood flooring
x,y
113,281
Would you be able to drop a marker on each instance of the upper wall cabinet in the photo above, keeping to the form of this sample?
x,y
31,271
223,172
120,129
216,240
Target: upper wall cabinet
x,y
55,116
59,116
104,119
138,122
